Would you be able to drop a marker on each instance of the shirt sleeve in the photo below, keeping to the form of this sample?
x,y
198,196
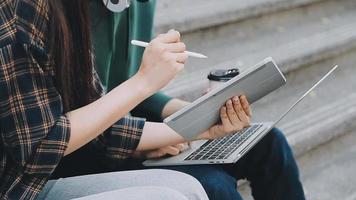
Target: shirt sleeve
x,y
152,107
35,132
122,138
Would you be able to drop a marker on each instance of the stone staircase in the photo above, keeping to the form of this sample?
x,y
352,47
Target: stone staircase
x,y
328,172
305,37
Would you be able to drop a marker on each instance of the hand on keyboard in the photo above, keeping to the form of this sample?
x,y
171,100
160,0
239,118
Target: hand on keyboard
x,y
172,150
235,116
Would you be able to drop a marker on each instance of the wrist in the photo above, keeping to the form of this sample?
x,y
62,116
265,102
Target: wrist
x,y
142,85
204,136
173,106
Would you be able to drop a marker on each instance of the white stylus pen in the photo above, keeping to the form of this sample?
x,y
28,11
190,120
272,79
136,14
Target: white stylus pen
x,y
145,44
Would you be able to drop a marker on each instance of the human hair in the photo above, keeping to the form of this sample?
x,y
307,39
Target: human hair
x,y
70,47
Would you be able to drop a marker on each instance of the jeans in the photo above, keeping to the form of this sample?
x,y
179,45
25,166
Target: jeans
x,y
155,184
269,166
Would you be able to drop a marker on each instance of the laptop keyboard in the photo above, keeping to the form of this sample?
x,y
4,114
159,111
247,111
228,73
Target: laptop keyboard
x,y
224,147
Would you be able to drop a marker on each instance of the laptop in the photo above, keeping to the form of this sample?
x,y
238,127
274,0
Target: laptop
x,y
230,148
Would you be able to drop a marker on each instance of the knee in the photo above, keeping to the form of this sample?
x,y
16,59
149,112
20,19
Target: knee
x,y
273,149
185,184
277,134
282,150
219,185
279,142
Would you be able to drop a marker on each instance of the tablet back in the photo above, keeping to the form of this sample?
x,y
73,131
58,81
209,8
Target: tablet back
x,y
199,116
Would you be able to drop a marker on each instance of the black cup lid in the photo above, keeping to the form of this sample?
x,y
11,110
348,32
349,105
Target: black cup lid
x,y
223,74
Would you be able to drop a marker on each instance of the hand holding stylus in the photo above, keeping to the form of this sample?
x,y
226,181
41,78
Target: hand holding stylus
x,y
191,54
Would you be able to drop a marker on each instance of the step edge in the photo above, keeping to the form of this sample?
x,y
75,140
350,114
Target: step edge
x,y
309,138
203,22
290,64
297,143
295,140
321,113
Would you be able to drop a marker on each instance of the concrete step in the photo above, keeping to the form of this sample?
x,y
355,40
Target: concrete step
x,y
327,172
306,42
188,16
327,113
306,38
295,38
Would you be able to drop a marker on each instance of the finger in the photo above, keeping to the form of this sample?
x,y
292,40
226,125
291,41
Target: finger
x,y
182,57
175,47
171,150
182,146
246,105
178,32
178,66
234,119
240,112
226,124
155,154
170,37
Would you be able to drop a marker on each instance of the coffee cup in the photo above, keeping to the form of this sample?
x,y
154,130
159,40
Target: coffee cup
x,y
220,76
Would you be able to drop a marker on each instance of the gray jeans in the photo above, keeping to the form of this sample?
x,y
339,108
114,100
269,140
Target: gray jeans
x,y
128,185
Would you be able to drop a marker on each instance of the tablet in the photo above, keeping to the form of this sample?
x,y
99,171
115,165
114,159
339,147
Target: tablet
x,y
255,83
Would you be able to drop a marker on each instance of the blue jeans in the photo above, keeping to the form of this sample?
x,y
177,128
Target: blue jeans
x,y
269,166
153,184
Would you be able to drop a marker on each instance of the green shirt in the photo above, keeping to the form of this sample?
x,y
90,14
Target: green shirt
x,y
116,59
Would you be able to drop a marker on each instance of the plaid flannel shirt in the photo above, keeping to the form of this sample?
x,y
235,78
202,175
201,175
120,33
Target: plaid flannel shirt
x,y
34,130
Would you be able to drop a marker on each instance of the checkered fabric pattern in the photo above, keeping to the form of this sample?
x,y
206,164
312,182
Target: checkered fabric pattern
x,y
34,130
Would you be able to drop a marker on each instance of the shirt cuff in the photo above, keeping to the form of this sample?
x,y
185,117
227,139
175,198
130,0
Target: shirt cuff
x,y
124,137
152,107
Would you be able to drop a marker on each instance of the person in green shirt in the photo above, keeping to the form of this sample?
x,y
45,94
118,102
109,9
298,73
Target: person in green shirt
x,y
116,59
269,166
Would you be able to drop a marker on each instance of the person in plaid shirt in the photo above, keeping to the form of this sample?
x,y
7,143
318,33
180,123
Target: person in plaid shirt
x,y
52,104
270,166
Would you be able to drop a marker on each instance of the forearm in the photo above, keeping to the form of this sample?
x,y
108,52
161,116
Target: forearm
x,y
90,121
235,116
166,135
157,135
173,106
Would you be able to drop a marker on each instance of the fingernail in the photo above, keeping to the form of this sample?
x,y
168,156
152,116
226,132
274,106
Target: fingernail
x,y
236,99
171,30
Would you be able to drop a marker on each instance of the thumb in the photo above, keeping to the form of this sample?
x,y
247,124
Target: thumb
x,y
175,32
